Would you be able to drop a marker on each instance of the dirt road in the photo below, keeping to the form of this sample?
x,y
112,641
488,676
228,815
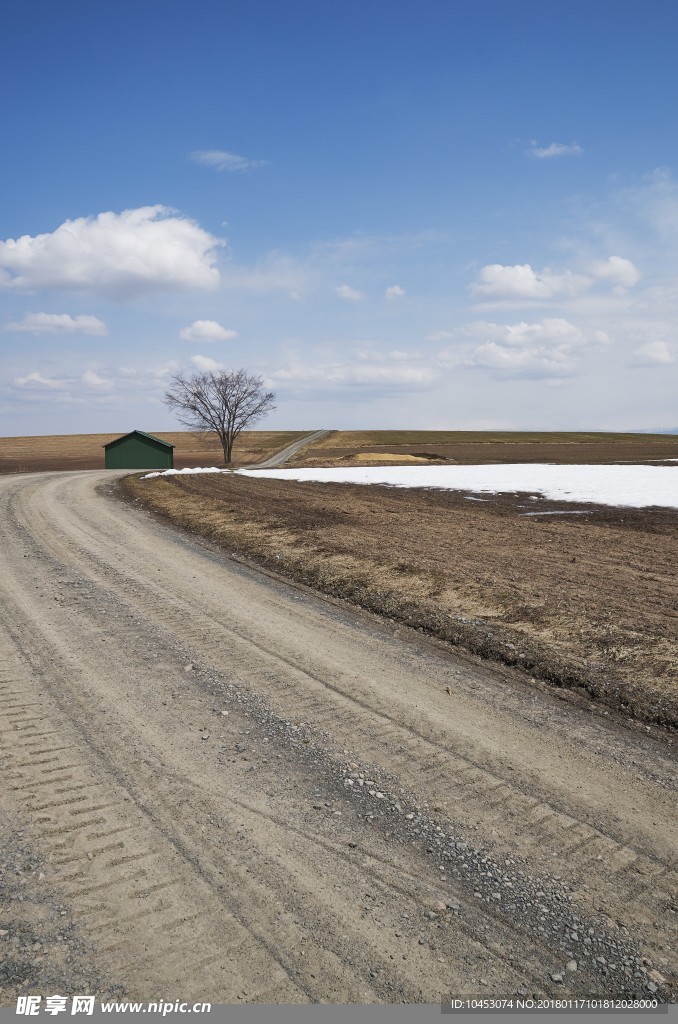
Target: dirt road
x,y
281,457
215,785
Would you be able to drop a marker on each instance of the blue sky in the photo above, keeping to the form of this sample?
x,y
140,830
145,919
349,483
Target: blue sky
x,y
437,215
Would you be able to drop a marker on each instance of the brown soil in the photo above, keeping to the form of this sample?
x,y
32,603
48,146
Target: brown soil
x,y
85,451
582,601
352,448
218,786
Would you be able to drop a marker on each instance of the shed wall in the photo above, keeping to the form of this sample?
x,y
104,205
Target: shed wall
x,y
138,453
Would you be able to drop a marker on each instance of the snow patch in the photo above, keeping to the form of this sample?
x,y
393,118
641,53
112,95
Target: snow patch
x,y
639,486
186,472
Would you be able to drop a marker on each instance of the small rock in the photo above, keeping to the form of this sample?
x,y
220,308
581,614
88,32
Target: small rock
x,y
651,986
205,736
557,977
3,932
439,906
189,668
225,713
571,965
654,975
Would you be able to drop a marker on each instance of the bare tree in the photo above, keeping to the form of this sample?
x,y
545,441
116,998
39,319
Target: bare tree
x,y
220,403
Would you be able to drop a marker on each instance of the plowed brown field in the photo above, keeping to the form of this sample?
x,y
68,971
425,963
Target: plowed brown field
x,y
352,447
586,601
85,451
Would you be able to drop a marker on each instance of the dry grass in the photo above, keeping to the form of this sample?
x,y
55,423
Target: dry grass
x,y
587,602
85,451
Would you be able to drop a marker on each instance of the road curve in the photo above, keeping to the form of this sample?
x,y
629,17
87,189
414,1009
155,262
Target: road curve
x,y
235,790
286,453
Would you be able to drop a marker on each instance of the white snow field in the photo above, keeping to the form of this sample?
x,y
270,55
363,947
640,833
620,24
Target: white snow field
x,y
627,486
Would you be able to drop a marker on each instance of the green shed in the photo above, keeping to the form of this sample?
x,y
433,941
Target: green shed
x,y
138,450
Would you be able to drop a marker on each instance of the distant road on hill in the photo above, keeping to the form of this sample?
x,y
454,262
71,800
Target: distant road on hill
x,y
281,457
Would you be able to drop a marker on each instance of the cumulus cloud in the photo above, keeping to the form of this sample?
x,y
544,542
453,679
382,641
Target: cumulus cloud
x,y
207,330
554,149
121,255
224,161
394,291
58,323
617,270
552,347
205,364
344,291
497,281
653,353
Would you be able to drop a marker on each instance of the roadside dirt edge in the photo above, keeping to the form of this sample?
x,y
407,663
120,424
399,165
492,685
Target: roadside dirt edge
x,y
476,636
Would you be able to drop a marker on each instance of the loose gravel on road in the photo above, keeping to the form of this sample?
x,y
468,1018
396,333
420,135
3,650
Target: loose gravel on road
x,y
218,785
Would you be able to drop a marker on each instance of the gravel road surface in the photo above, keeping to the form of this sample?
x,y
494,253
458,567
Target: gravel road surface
x,y
216,785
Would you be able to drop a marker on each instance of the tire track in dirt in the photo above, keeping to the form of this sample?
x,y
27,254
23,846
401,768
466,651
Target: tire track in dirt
x,y
626,875
103,853
130,604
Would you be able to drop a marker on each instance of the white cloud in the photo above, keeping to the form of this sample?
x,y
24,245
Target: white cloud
x,y
653,353
554,149
617,270
344,291
205,364
58,323
207,330
224,161
118,254
552,347
522,282
394,292
93,380
36,380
